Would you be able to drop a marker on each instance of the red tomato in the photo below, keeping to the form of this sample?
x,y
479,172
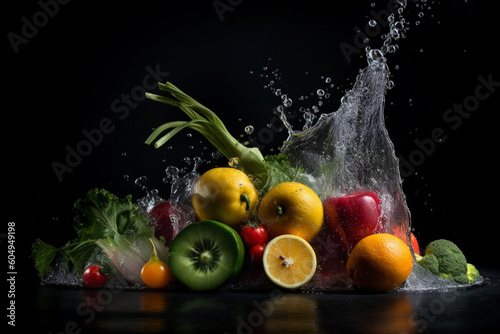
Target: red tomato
x,y
253,236
398,233
414,243
256,253
92,276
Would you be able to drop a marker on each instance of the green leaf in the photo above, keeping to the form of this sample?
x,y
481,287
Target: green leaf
x,y
78,255
43,254
101,214
280,170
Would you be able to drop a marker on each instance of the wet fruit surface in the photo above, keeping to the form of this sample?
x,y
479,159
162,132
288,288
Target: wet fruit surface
x,y
379,262
156,273
292,208
206,254
224,194
289,261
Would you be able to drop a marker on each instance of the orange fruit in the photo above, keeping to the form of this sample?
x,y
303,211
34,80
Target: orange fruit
x,y
379,262
224,194
289,261
291,208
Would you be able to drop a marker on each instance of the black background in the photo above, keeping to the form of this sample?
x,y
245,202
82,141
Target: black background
x,y
65,79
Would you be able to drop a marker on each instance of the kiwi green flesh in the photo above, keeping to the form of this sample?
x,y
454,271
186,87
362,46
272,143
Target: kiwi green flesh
x,y
206,254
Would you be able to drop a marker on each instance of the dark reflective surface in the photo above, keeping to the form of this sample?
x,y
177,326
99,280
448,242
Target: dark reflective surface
x,y
107,311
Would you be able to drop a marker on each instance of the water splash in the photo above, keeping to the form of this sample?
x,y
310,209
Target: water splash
x,y
181,185
350,150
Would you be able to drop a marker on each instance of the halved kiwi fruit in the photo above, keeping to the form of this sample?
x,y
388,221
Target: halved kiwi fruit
x,y
206,254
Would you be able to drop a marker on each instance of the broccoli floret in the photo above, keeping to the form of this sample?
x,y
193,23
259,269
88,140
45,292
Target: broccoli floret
x,y
430,263
444,259
472,273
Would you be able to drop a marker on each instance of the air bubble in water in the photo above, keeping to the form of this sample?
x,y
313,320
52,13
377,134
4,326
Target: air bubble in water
x,y
216,155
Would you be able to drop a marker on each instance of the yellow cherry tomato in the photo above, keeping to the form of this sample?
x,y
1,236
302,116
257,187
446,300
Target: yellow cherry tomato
x,y
156,273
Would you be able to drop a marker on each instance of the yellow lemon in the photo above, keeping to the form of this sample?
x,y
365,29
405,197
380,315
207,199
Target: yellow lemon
x,y
224,194
289,261
292,208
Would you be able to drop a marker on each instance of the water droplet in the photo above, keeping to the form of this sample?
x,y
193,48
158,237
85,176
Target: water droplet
x,y
249,129
328,80
375,55
141,182
287,102
189,135
420,14
372,23
233,162
395,34
320,92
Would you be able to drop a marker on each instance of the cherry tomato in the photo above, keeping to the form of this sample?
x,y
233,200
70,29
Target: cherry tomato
x,y
156,273
256,253
92,276
253,236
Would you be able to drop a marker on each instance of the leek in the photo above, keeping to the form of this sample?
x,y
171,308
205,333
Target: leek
x,y
203,120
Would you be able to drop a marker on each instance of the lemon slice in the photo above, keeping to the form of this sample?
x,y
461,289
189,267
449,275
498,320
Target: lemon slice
x,y
289,261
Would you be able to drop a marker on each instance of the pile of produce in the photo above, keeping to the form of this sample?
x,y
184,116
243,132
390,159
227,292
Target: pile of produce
x,y
255,221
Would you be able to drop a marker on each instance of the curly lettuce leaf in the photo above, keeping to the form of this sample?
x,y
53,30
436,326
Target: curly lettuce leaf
x,y
101,215
280,170
44,254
